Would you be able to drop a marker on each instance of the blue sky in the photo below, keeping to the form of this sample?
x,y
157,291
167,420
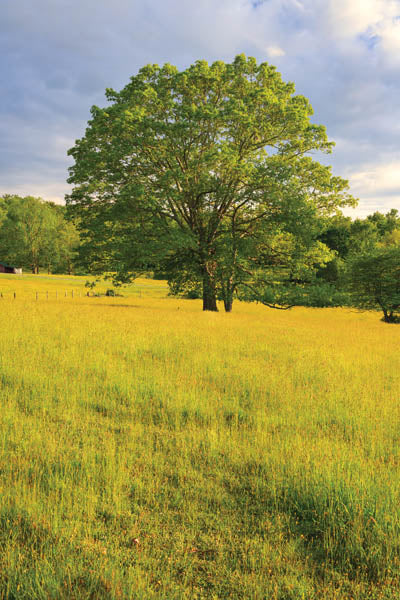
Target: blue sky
x,y
58,56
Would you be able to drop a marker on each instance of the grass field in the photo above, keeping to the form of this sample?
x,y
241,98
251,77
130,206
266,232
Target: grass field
x,y
149,450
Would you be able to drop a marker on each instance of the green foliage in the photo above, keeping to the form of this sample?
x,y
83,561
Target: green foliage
x,y
374,281
34,234
385,224
286,271
350,239
190,171
67,245
336,234
324,294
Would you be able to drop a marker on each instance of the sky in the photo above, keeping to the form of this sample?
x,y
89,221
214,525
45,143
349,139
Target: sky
x,y
58,56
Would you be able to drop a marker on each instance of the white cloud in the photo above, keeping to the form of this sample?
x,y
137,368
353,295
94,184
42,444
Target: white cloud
x,y
53,192
374,179
376,21
389,30
351,18
274,51
377,186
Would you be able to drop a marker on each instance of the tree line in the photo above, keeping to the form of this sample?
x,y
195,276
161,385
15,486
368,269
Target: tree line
x,y
345,262
36,235
365,270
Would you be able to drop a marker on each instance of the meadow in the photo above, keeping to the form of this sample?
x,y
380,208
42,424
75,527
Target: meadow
x,y
149,450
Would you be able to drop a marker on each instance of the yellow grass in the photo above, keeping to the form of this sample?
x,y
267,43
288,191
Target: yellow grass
x,y
149,450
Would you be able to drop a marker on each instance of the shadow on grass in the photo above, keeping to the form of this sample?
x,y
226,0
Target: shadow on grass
x,y
337,530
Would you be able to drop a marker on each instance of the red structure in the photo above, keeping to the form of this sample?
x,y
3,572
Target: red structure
x,y
8,269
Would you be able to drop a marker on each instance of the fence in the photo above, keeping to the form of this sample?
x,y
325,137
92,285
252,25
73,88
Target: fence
x,y
56,294
38,295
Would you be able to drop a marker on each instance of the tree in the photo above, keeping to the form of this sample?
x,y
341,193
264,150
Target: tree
x,y
348,239
386,224
374,281
35,234
190,168
66,241
68,245
28,232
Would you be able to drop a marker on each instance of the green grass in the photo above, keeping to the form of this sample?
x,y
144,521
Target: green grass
x,y
149,450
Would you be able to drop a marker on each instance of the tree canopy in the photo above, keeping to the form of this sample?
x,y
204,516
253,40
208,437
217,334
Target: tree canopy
x,y
35,234
374,281
349,238
206,172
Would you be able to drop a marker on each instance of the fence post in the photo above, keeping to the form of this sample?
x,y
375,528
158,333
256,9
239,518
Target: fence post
x,y
72,293
56,294
15,295
37,295
47,295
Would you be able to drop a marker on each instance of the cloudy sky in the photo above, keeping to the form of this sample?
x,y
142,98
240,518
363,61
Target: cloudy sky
x,y
58,56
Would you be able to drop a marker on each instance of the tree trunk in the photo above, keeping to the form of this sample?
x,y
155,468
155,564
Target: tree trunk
x,y
389,317
228,304
228,291
209,291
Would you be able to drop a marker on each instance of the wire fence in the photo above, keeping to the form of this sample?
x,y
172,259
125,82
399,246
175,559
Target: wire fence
x,y
60,294
37,295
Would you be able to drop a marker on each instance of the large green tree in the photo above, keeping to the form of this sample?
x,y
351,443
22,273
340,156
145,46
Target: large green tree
x,y
194,168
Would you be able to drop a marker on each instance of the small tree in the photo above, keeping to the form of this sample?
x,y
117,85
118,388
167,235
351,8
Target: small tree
x,y
374,281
